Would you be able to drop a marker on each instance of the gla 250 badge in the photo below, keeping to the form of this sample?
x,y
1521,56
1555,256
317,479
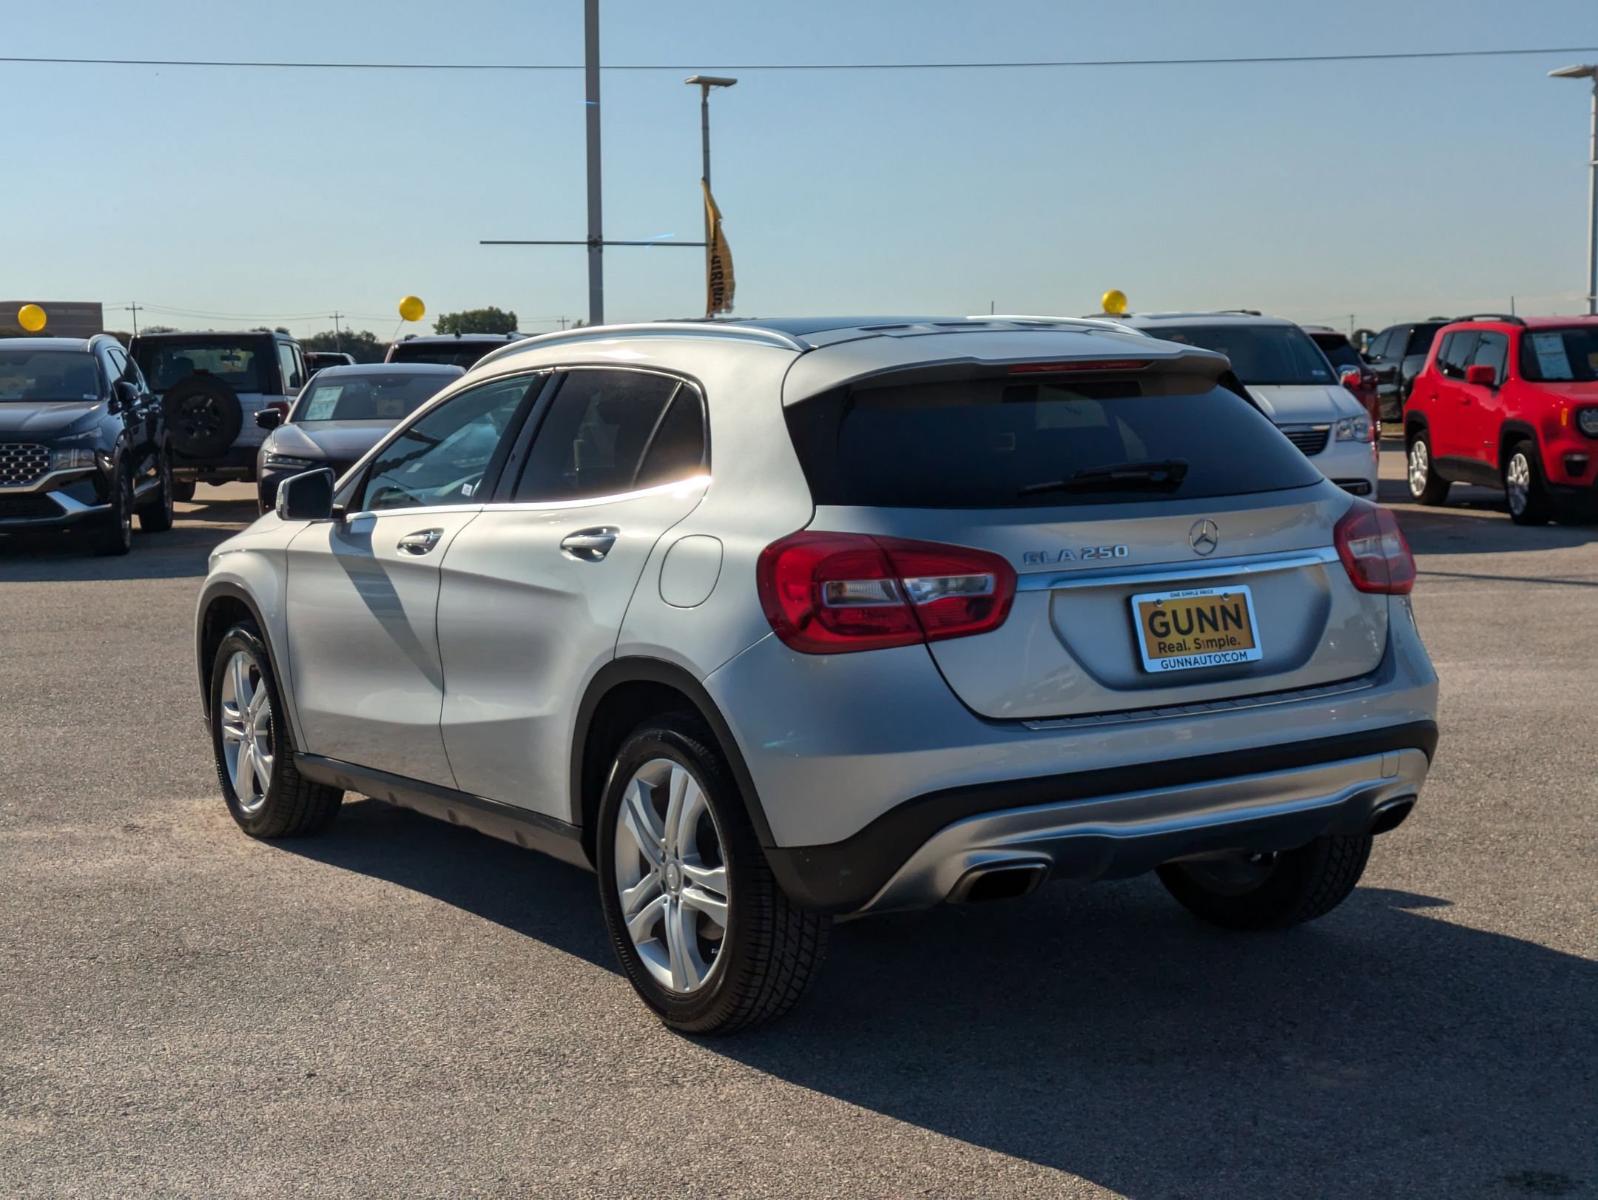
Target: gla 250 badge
x,y
1044,558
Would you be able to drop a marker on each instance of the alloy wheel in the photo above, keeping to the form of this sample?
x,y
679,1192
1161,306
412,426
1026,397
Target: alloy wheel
x,y
1517,482
246,716
1419,467
671,876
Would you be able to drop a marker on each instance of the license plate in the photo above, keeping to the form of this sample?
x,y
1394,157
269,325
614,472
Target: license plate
x,y
1199,627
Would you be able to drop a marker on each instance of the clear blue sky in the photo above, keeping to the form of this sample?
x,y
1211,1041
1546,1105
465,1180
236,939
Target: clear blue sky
x,y
1383,190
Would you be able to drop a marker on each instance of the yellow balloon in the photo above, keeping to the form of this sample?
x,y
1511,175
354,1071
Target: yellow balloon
x,y
412,309
1114,302
31,317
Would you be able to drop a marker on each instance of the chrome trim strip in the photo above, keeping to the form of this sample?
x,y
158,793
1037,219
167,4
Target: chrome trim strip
x,y
693,481
1204,707
1176,572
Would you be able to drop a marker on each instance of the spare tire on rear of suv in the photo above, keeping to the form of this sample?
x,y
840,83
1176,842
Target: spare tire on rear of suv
x,y
203,416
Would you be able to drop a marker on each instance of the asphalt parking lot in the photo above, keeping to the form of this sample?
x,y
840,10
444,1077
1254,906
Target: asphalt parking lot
x,y
402,1008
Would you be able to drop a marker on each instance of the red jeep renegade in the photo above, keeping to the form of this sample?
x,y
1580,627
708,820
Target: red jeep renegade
x,y
1511,404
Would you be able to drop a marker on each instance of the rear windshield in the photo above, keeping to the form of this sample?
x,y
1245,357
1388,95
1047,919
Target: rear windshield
x,y
997,443
38,376
168,361
367,397
1265,355
1337,348
1550,355
1420,339
463,355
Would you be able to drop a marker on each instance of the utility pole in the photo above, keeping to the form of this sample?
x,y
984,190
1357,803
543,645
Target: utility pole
x,y
338,337
133,308
1589,71
596,236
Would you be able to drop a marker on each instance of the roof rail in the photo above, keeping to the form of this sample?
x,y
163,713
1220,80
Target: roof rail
x,y
1507,318
706,329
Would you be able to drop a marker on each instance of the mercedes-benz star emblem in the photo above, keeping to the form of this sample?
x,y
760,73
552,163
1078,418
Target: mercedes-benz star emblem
x,y
1204,536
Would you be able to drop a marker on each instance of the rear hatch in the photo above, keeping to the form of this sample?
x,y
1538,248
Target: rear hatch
x,y
1108,489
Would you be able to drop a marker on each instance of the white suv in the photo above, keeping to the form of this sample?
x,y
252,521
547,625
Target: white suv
x,y
769,622
1292,381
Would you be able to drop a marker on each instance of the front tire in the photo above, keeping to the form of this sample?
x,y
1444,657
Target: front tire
x,y
254,747
704,933
115,535
1270,891
1425,485
156,515
1523,486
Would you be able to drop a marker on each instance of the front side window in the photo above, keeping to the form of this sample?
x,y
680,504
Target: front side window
x,y
288,368
1555,355
1378,347
610,432
1262,355
1492,350
446,454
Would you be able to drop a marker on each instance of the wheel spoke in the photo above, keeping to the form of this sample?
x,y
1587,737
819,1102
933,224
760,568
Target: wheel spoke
x,y
232,726
678,786
713,906
239,669
643,824
262,762
640,894
641,923
707,879
244,781
680,935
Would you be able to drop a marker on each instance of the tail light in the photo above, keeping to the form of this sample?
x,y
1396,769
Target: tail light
x,y
832,593
1374,551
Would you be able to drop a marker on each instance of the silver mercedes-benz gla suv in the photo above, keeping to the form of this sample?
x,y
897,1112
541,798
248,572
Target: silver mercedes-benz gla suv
x,y
770,622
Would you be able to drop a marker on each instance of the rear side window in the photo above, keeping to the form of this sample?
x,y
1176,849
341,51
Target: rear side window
x,y
610,432
1420,340
1000,443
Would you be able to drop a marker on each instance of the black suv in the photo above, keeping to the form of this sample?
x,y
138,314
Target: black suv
x,y
1397,354
82,441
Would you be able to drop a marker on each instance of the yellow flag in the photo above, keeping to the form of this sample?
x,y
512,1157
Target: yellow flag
x,y
719,281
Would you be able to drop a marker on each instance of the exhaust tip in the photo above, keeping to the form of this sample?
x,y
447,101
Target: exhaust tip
x,y
1391,815
1002,881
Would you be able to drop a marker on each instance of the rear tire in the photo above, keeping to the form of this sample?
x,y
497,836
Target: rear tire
x,y
1523,486
698,975
1270,891
183,490
254,746
1425,485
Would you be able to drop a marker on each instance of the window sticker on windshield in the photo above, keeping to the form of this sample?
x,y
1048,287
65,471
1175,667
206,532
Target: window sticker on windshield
x,y
1551,359
322,402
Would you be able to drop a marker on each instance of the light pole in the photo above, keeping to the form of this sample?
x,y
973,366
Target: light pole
x,y
704,83
1589,71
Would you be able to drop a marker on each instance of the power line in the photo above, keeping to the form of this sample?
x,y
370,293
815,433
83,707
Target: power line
x,y
1015,65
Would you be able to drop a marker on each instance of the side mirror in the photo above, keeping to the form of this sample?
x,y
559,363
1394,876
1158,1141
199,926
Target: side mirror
x,y
1481,375
306,497
124,395
269,418
1350,378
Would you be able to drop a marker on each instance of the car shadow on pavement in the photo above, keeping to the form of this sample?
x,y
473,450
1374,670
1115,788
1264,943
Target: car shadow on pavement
x,y
1383,1051
180,551
1467,531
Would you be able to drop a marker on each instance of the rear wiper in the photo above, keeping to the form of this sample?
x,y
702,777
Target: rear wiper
x,y
1164,474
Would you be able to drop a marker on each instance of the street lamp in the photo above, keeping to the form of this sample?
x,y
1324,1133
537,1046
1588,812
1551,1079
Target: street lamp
x,y
1589,71
704,83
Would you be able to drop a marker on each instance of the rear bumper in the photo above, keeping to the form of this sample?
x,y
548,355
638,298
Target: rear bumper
x,y
1112,824
237,462
1352,466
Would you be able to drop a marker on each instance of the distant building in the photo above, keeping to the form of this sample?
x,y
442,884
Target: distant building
x,y
65,318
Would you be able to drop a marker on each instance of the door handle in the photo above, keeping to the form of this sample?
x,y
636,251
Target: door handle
x,y
419,542
590,545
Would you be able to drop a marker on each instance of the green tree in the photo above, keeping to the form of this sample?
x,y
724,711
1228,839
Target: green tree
x,y
360,344
476,320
